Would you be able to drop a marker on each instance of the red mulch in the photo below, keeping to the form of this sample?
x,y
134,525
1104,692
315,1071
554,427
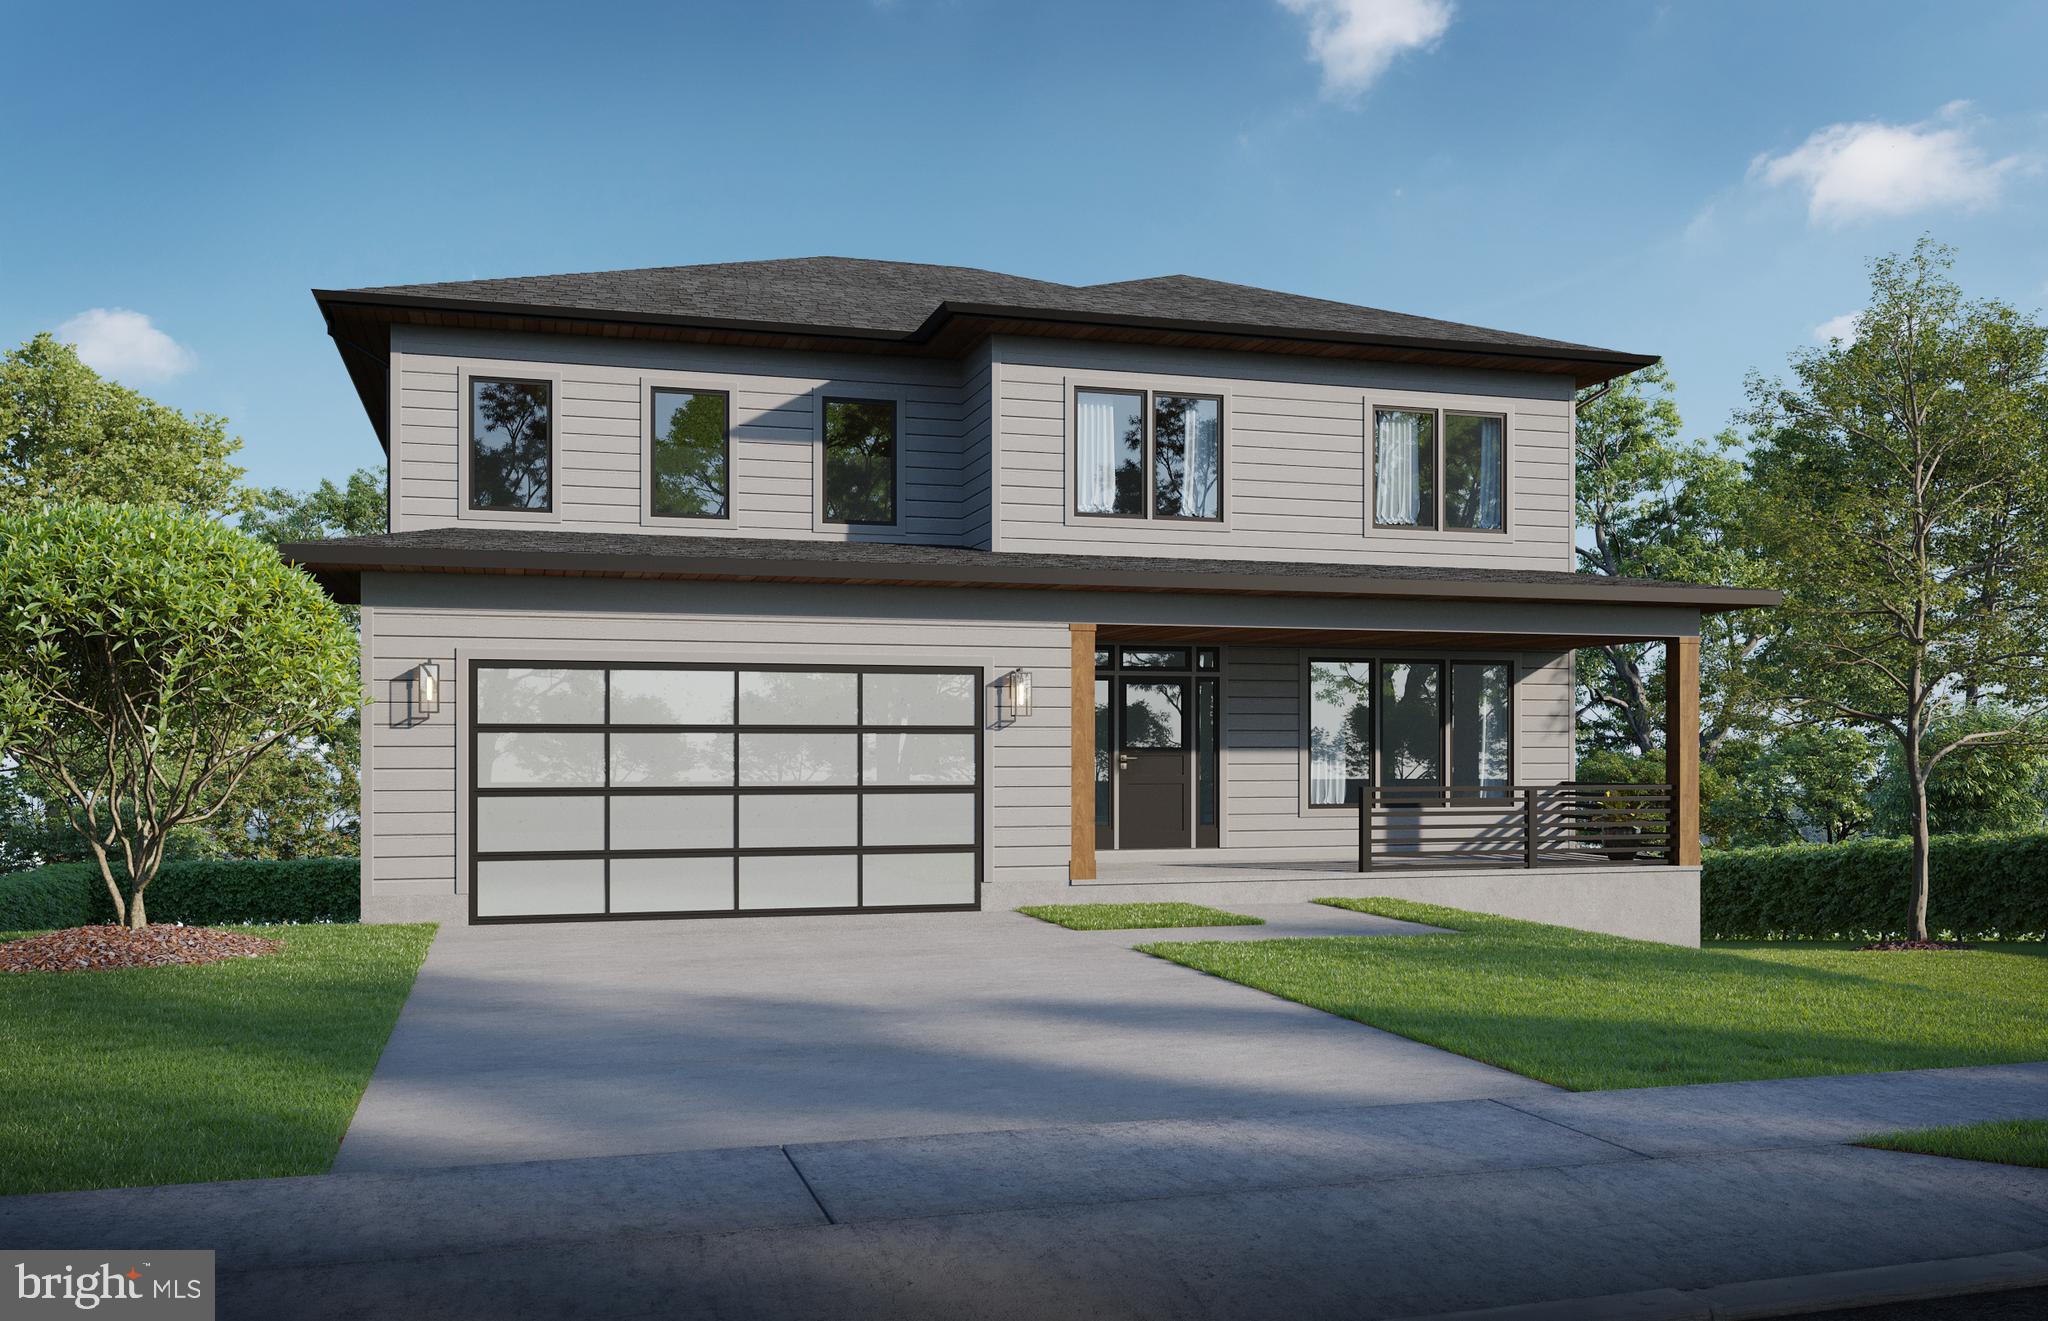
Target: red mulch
x,y
84,949
1891,945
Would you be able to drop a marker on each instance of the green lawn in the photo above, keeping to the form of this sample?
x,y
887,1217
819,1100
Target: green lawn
x,y
234,1070
1126,917
1589,1012
2005,1141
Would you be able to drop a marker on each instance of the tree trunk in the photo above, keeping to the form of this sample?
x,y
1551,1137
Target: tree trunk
x,y
137,919
113,889
1916,914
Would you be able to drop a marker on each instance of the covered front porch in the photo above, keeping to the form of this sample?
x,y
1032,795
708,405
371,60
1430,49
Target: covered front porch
x,y
1234,755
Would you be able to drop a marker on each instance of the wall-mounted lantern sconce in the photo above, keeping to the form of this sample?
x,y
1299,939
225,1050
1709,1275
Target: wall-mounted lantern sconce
x,y
1013,698
426,688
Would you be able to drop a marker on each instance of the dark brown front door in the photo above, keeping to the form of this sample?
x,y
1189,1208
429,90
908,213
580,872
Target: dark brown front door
x,y
1152,764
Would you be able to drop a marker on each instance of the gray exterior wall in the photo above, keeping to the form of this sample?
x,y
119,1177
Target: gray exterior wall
x,y
601,390
414,819
986,445
1296,470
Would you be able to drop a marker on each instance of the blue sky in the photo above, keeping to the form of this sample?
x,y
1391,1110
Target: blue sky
x,y
1703,180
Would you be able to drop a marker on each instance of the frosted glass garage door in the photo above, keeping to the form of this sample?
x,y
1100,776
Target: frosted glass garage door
x,y
705,790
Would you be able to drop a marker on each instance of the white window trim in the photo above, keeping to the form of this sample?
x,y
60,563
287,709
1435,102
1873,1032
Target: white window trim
x,y
898,396
644,411
1440,404
1148,384
492,369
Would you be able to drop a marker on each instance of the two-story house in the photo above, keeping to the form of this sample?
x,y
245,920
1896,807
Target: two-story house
x,y
830,585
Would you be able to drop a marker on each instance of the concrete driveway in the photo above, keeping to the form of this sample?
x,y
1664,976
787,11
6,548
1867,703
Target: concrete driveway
x,y
601,1039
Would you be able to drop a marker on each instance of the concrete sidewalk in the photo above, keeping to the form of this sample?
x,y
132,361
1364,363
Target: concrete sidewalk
x,y
1395,1210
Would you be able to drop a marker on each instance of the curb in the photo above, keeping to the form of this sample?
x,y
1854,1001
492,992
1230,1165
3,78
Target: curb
x,y
1795,1295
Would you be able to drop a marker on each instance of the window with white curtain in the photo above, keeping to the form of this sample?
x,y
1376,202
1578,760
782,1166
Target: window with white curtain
x,y
1109,452
1473,461
1404,468
1140,454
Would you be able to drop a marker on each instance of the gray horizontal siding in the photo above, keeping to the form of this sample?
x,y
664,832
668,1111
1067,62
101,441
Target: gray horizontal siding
x,y
601,431
1295,475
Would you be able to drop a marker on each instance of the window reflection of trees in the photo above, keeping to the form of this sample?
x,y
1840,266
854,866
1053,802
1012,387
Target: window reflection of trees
x,y
860,461
1340,731
1154,715
690,460
511,430
1185,464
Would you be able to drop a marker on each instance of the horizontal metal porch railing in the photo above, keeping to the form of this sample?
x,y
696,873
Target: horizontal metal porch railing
x,y
1515,825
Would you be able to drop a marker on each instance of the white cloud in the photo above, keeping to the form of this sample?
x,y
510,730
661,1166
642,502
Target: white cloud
x,y
1841,328
1355,40
1855,171
123,344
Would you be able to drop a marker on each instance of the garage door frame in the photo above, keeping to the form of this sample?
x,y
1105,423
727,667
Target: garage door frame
x,y
473,791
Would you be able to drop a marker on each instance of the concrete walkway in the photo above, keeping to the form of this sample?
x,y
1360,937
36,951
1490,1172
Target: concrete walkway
x,y
545,1042
1395,1210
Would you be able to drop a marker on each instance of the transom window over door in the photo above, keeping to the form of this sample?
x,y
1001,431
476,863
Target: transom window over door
x,y
511,445
860,461
1148,454
1438,468
688,456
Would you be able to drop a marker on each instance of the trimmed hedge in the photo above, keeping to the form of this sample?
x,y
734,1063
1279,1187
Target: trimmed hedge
x,y
198,891
1979,887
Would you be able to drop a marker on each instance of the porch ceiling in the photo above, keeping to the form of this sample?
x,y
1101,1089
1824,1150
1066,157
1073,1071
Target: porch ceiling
x,y
1471,640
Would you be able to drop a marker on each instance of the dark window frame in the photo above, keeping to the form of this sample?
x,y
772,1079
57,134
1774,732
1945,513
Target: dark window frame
x,y
653,393
1148,410
471,381
1447,664
895,406
1438,468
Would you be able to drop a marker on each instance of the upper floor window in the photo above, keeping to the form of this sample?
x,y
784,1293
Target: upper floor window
x,y
1421,483
511,445
860,461
688,455
1140,454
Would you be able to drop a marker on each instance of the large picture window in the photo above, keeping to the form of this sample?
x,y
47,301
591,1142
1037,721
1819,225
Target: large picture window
x,y
1140,454
860,461
688,454
511,445
1435,469
1401,722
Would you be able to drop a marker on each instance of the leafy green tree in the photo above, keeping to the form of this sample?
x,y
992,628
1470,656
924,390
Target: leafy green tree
x,y
357,508
1887,473
1651,506
149,659
2001,785
689,477
66,433
1807,781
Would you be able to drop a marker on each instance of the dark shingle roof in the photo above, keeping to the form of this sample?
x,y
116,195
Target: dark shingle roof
x,y
675,556
898,299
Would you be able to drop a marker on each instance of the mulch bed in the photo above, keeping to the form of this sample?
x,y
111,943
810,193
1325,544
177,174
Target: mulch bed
x,y
1891,945
85,949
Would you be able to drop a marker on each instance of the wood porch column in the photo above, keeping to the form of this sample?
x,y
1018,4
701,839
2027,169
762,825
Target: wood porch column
x,y
1682,746
1081,684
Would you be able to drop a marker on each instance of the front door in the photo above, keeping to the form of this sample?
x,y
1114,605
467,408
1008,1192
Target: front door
x,y
1153,763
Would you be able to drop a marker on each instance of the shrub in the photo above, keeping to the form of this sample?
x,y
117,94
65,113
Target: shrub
x,y
1982,886
201,891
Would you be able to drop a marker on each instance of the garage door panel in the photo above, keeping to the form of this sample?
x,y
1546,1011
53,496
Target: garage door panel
x,y
640,789
540,757
901,818
904,880
671,821
799,821
671,885
810,880
540,887
532,823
